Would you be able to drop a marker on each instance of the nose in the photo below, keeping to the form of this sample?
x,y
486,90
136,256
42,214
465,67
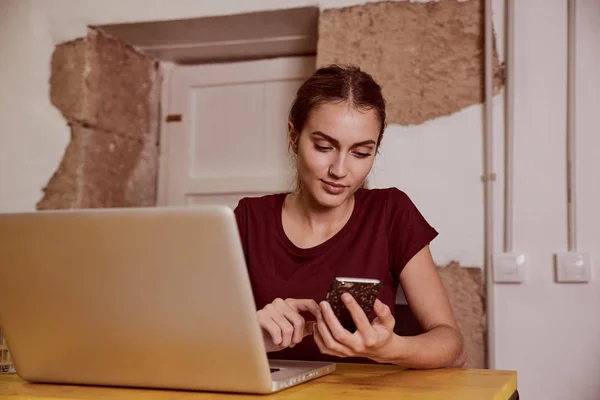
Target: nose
x,y
339,169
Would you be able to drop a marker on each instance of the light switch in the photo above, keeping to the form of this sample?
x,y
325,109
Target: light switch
x,y
509,267
573,267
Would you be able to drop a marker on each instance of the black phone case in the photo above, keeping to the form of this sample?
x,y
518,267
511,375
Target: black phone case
x,y
364,294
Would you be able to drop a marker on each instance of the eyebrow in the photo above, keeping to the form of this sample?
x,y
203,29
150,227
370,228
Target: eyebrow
x,y
336,142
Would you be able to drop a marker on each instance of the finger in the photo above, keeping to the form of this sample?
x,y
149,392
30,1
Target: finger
x,y
267,323
335,327
364,329
321,345
308,305
285,326
298,324
294,318
384,314
328,339
358,315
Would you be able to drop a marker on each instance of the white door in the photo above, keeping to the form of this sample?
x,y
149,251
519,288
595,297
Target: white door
x,y
224,133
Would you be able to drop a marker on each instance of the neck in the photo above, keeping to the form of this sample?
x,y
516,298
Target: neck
x,y
317,217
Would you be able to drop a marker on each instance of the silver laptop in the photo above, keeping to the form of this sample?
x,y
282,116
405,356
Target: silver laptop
x,y
148,297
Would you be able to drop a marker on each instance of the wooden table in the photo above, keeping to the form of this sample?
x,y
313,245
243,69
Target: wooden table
x,y
350,381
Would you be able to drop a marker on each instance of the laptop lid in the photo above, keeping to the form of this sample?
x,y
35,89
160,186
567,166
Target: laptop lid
x,y
149,297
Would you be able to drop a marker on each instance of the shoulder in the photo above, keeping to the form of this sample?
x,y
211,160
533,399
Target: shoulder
x,y
407,229
394,206
385,197
254,211
259,205
268,201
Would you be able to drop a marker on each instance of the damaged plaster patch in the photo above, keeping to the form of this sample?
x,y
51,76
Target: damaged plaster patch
x,y
94,171
428,57
465,291
108,93
69,90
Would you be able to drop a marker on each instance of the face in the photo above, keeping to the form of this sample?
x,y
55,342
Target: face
x,y
335,151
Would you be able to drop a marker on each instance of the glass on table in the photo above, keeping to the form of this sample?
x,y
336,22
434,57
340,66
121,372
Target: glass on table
x,y
6,365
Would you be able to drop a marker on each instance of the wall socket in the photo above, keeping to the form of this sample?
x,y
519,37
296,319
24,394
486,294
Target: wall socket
x,y
573,267
509,267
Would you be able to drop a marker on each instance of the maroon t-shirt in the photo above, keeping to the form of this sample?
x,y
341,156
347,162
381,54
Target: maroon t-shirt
x,y
383,233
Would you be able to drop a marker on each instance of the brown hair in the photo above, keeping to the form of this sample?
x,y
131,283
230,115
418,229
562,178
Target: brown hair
x,y
338,84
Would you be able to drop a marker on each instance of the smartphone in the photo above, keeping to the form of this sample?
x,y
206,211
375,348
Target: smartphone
x,y
364,291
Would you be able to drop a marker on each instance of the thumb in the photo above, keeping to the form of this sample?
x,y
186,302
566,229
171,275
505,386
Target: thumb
x,y
384,315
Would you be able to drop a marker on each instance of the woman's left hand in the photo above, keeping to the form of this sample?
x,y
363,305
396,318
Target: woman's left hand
x,y
369,340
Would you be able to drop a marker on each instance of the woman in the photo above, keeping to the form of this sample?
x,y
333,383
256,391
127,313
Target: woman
x,y
296,243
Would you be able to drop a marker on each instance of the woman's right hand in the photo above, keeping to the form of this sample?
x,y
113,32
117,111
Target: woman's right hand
x,y
282,324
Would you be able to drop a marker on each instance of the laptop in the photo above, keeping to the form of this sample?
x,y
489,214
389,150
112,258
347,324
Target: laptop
x,y
136,297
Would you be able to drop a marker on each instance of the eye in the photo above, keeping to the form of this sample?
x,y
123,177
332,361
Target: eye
x,y
361,155
322,148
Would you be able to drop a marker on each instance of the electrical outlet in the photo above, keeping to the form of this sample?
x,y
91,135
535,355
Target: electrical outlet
x,y
509,267
573,267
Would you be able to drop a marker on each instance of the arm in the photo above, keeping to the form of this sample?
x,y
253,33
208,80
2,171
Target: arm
x,y
442,344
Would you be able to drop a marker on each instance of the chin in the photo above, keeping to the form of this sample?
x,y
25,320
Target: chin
x,y
327,200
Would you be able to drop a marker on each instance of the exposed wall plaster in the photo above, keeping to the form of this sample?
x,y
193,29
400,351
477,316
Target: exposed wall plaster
x,y
428,57
465,290
108,92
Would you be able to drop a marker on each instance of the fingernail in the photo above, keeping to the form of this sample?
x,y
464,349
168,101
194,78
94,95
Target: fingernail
x,y
346,297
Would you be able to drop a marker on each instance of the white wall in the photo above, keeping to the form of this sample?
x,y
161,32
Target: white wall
x,y
549,332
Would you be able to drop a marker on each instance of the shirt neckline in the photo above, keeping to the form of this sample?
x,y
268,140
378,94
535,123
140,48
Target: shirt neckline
x,y
322,247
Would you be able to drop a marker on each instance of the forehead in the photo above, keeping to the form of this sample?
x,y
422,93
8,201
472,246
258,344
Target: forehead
x,y
344,122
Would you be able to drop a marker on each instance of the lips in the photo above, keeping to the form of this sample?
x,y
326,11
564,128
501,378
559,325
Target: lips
x,y
333,188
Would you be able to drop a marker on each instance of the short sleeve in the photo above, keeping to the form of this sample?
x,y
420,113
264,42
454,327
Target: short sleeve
x,y
241,217
408,231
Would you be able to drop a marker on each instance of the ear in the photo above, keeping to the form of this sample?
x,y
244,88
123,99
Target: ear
x,y
293,137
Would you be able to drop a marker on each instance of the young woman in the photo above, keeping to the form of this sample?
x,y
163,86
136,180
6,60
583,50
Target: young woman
x,y
296,243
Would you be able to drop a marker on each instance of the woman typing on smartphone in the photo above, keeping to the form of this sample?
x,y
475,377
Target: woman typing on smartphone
x,y
297,243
